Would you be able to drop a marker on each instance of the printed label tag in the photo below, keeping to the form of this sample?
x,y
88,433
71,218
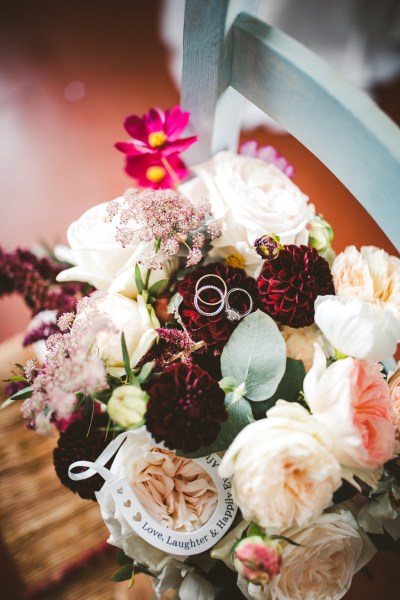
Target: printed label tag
x,y
166,539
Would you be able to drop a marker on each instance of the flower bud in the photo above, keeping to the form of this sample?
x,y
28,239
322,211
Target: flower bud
x,y
268,246
257,559
127,406
320,234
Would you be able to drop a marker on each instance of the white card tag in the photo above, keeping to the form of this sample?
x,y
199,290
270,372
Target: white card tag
x,y
144,525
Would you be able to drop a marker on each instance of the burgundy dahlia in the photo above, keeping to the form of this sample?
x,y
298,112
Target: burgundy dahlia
x,y
82,440
215,330
186,408
289,285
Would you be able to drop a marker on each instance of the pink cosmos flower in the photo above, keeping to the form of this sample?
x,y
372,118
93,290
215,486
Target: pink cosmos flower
x,y
269,155
156,133
352,399
150,171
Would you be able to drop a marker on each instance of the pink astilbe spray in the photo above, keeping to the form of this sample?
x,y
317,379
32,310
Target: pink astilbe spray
x,y
165,217
71,368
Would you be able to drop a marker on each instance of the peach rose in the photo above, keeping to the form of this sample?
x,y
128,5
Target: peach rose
x,y
352,399
370,274
331,550
176,491
284,473
300,343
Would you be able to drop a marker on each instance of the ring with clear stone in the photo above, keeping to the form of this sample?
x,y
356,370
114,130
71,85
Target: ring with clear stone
x,y
197,299
231,313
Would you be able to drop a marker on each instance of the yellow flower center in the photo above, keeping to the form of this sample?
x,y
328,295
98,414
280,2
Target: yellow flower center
x,y
157,139
156,174
235,260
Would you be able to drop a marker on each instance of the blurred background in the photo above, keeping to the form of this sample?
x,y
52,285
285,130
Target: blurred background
x,y
70,72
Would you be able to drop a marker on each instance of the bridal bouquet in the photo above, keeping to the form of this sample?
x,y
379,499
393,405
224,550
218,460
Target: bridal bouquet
x,y
221,382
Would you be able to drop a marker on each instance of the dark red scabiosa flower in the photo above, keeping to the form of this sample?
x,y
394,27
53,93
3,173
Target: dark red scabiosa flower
x,y
186,408
82,440
215,330
289,285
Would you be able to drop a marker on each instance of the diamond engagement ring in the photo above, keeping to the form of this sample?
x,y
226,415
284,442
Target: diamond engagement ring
x,y
232,313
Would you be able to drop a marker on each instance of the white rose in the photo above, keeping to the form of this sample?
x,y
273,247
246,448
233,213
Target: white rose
x,y
128,316
98,258
332,550
369,274
283,472
356,328
253,198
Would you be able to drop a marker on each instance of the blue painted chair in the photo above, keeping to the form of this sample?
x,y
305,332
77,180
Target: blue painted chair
x,y
228,54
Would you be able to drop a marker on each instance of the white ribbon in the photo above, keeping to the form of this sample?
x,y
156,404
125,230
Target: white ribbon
x,y
92,468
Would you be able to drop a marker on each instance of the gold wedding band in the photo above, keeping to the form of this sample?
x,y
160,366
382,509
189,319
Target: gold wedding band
x,y
205,277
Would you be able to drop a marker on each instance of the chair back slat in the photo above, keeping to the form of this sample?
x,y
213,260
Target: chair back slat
x,y
341,125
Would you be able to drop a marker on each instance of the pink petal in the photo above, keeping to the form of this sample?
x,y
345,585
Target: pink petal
x,y
178,146
154,120
175,122
136,128
132,149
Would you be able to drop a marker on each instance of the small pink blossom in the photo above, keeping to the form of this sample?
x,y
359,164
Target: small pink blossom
x,y
156,133
269,155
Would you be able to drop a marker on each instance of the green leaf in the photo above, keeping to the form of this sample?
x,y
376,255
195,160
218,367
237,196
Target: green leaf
x,y
127,366
123,559
124,573
12,379
256,356
239,415
145,372
20,395
138,279
285,539
228,384
288,389
254,529
158,287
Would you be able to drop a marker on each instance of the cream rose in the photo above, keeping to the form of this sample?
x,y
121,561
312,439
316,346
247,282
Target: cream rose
x,y
300,343
331,551
98,258
283,471
394,390
351,398
369,274
129,316
356,328
253,198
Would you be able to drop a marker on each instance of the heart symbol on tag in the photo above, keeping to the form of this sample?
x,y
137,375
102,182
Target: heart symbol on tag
x,y
127,503
120,490
137,517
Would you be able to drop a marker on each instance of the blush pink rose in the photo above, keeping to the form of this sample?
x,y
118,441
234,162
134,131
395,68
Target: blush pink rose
x,y
394,388
352,399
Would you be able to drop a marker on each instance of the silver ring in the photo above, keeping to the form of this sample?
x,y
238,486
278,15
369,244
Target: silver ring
x,y
203,312
231,313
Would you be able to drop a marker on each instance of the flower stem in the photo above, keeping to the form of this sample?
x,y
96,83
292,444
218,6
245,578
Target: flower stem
x,y
171,172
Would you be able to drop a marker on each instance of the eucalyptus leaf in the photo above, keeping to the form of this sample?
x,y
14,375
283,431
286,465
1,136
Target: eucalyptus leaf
x,y
6,403
288,389
256,356
124,573
138,279
227,384
239,415
145,372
